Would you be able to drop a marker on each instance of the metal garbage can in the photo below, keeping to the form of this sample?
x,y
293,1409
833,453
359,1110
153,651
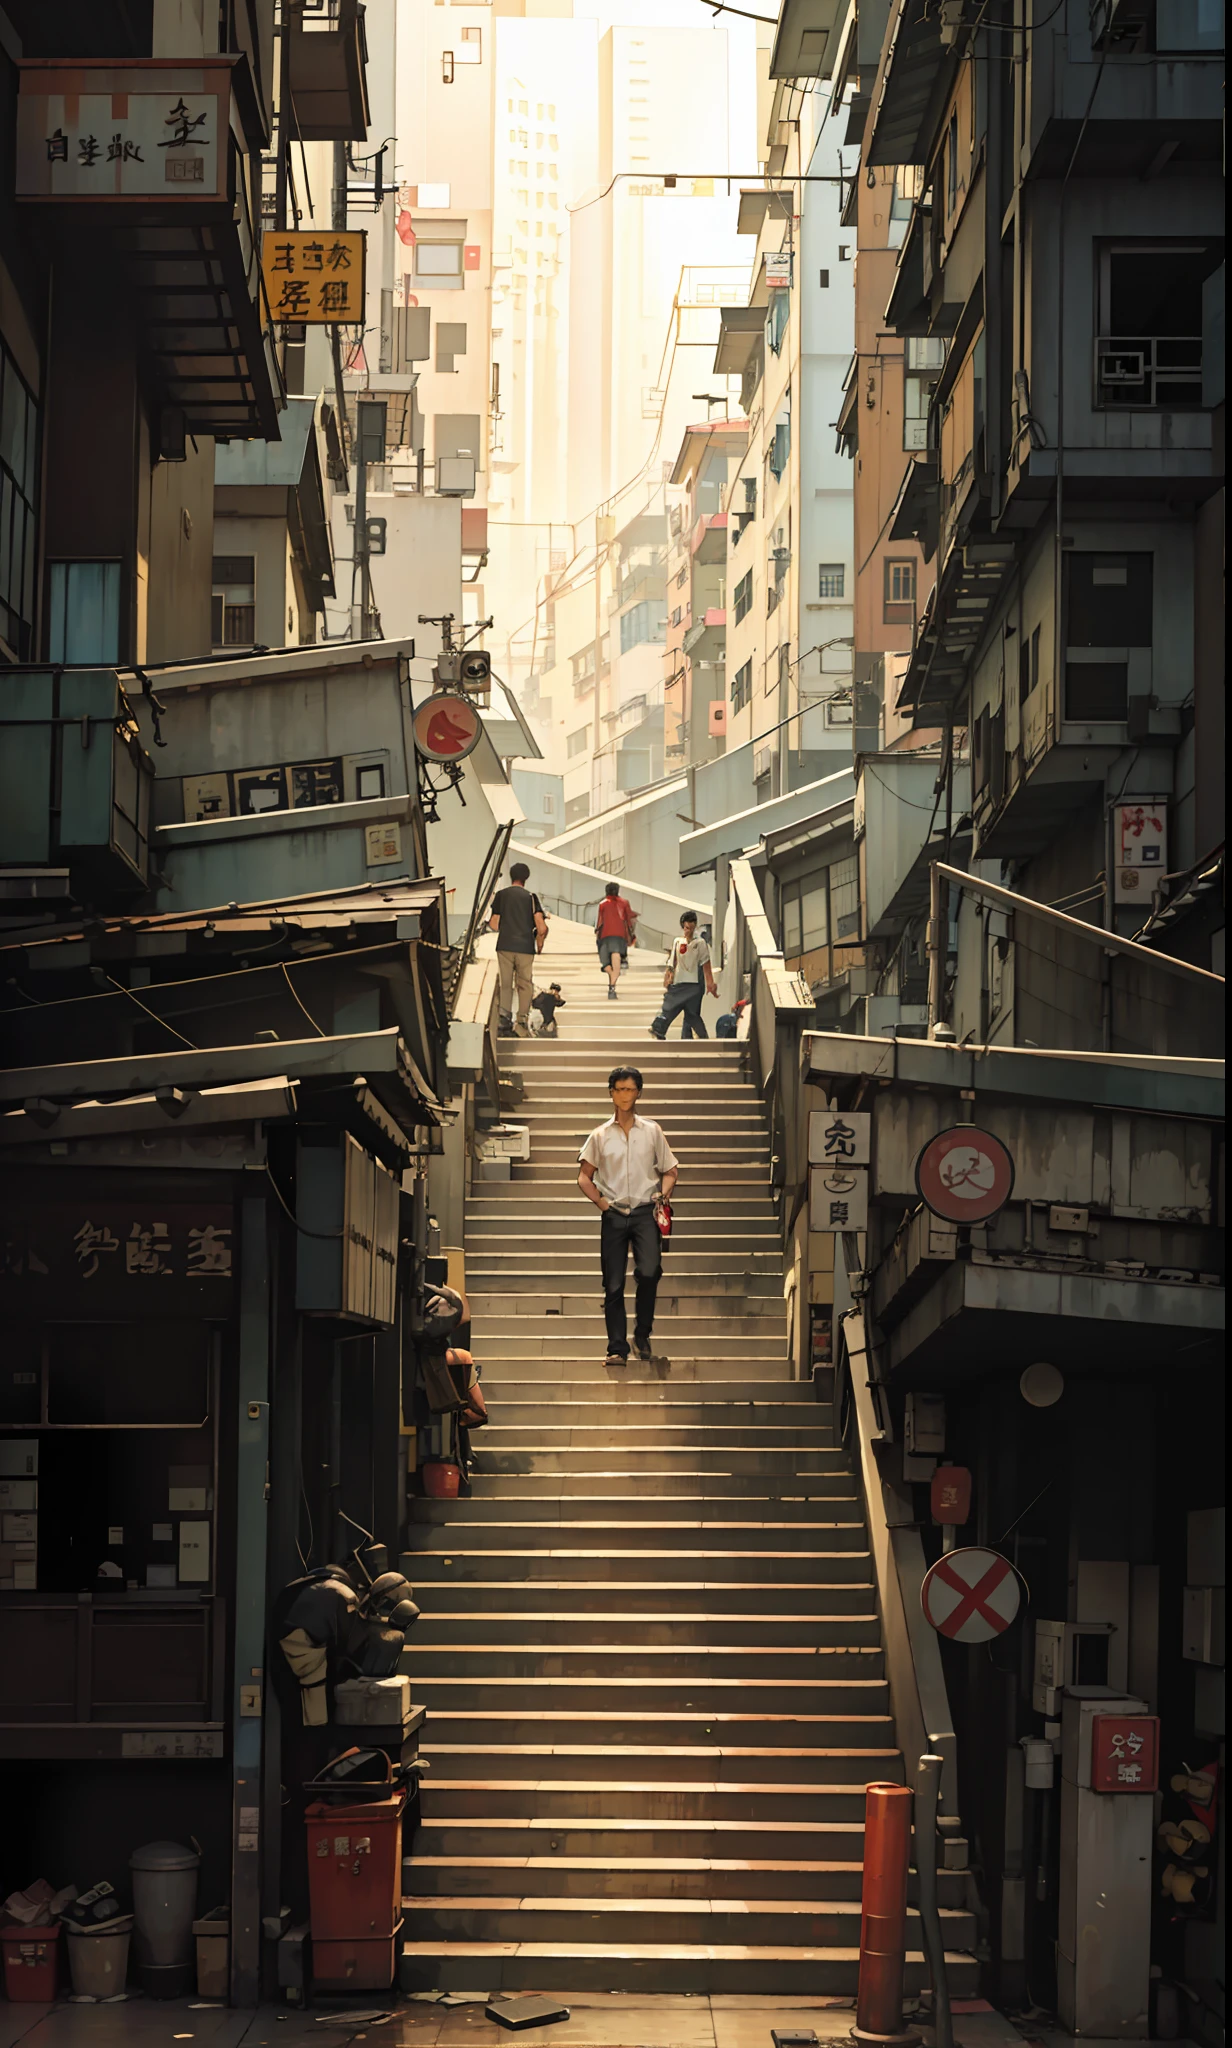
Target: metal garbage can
x,y
164,1908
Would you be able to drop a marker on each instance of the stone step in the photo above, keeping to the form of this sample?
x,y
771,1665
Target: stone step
x,y
700,1764
649,1877
490,1306
743,1502
531,1658
620,1397
696,1375
610,1839
670,1693
743,1354
688,1538
580,1457
647,1799
642,1599
645,1969
736,1575
610,1491
793,1923
579,1629
801,1419
671,1732
576,1266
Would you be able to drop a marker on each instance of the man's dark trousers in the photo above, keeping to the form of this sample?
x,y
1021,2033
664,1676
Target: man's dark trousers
x,y
617,1232
681,999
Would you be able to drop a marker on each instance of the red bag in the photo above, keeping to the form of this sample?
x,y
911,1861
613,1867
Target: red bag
x,y
663,1217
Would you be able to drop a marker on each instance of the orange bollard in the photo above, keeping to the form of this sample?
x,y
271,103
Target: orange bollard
x,y
883,1917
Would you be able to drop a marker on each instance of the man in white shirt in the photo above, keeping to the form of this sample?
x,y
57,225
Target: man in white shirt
x,y
688,969
625,1167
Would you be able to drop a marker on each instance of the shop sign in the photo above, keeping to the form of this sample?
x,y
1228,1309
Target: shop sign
x,y
964,1175
778,267
446,727
838,1197
287,786
106,131
1124,1753
950,1495
1140,849
148,1257
971,1596
838,1139
314,275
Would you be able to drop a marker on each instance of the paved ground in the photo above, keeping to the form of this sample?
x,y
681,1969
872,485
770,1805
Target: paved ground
x,y
598,2020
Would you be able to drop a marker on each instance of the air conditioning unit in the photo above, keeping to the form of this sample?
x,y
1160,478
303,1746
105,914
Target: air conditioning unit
x,y
763,758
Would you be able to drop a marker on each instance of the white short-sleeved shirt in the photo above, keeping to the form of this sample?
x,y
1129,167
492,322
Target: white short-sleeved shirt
x,y
628,1166
687,959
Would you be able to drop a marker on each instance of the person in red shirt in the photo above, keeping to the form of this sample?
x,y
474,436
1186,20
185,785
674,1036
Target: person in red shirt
x,y
615,932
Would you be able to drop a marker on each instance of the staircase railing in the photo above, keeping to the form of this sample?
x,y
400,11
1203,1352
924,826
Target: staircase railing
x,y
779,1001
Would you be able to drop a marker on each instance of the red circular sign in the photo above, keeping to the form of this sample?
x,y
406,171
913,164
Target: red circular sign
x,y
446,727
965,1174
971,1595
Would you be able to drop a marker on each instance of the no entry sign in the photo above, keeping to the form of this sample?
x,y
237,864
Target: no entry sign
x,y
965,1174
971,1595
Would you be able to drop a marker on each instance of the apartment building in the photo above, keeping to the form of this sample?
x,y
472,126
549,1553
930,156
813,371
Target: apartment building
x,y
695,661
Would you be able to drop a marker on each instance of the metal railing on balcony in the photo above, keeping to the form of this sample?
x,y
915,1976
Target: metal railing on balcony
x,y
1148,371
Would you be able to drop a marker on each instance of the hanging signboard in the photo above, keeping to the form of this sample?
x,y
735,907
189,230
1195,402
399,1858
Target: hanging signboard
x,y
1140,849
100,131
838,1139
964,1174
446,727
838,1198
778,267
971,1596
313,275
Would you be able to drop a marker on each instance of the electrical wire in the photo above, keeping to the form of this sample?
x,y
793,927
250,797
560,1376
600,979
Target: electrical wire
x,y
330,1236
308,1013
120,989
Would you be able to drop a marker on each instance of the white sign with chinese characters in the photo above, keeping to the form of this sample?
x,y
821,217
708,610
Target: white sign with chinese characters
x,y
120,145
778,267
838,1197
838,1139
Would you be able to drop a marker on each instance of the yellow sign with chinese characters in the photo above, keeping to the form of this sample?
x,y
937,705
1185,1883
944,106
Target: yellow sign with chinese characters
x,y
314,275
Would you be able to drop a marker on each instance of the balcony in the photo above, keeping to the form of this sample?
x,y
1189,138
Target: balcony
x,y
1148,372
807,39
708,542
327,56
899,821
166,189
75,781
706,639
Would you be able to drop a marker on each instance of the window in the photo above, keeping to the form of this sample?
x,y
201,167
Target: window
x,y
844,252
742,686
1188,25
577,808
18,492
549,806
1028,664
85,611
1148,351
369,781
908,184
1109,615
450,342
744,596
776,320
823,279
470,47
923,358
899,593
438,265
845,899
831,578
577,742
805,918
780,448
677,615
643,623
951,165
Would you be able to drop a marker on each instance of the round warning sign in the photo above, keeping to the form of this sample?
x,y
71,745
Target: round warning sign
x,y
446,727
971,1595
965,1174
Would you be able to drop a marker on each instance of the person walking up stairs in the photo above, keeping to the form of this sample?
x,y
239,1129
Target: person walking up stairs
x,y
649,1645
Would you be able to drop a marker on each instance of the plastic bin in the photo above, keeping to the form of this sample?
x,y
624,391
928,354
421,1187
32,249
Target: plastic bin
x,y
30,1958
213,1937
350,1965
164,1907
441,1479
98,1957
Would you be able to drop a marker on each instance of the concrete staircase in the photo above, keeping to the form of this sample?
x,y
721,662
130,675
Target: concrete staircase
x,y
649,1650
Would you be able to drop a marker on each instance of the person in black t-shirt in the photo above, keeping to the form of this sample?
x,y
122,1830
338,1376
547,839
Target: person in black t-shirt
x,y
547,1003
519,923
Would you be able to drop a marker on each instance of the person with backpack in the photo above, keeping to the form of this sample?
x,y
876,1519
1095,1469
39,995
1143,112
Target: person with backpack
x,y
615,932
543,1011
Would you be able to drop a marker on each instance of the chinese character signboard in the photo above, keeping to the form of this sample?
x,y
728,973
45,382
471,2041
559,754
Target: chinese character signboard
x,y
838,1197
950,1495
836,1139
105,131
91,1259
778,267
1140,849
314,275
964,1175
1124,1753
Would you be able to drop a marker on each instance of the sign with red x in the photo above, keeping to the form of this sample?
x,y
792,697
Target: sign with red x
x,y
971,1595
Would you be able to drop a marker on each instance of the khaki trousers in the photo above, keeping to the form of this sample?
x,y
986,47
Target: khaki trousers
x,y
516,968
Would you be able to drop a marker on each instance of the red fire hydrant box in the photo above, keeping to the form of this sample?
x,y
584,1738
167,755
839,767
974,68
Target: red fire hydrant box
x,y
1124,1752
30,1962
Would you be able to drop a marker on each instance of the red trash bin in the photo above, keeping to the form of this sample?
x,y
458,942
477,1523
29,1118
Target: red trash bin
x,y
30,1957
355,1890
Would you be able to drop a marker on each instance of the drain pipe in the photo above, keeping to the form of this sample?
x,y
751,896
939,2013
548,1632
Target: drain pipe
x,y
927,1798
883,1919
